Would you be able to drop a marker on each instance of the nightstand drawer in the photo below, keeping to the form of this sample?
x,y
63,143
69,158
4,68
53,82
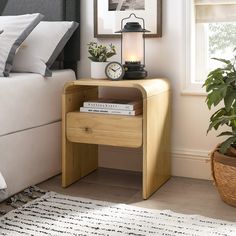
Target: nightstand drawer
x,y
114,130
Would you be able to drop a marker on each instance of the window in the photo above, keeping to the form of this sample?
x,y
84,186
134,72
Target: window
x,y
212,34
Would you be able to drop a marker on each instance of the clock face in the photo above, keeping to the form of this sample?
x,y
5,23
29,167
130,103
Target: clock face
x,y
115,71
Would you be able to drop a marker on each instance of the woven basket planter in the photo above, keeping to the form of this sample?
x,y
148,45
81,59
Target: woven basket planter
x,y
224,174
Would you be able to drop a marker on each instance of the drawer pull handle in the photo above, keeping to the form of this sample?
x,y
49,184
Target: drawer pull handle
x,y
87,130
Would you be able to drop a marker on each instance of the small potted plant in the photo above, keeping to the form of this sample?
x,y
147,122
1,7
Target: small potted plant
x,y
99,55
221,91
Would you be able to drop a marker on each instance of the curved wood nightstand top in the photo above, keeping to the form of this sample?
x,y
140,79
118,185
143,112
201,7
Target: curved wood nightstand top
x,y
148,87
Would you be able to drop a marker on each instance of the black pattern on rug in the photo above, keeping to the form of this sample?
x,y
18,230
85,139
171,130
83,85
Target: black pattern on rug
x,y
20,199
56,214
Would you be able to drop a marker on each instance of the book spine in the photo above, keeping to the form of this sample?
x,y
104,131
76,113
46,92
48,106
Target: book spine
x,y
128,107
107,111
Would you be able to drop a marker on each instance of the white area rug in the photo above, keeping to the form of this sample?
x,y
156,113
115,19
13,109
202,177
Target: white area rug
x,y
56,214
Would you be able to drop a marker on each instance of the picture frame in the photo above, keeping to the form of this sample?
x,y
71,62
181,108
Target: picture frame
x,y
108,16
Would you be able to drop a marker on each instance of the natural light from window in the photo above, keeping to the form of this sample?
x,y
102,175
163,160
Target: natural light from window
x,y
222,41
211,33
213,40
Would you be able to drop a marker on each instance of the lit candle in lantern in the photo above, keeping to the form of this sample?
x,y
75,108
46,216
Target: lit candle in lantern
x,y
133,48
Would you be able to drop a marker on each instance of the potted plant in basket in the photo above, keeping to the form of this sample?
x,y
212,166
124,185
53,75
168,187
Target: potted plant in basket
x,y
221,91
99,55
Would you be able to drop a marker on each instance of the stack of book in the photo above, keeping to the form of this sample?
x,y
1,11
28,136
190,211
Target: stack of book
x,y
113,106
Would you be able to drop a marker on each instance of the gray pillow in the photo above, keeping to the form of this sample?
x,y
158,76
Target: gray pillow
x,y
15,31
42,47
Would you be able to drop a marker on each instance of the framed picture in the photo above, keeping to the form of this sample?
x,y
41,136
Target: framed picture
x,y
109,13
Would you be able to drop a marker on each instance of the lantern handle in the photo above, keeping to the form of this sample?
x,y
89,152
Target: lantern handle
x,y
132,14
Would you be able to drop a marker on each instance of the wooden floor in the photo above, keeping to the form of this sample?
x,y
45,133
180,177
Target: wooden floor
x,y
182,195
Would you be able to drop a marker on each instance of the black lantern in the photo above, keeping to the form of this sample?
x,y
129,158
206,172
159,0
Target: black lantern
x,y
133,48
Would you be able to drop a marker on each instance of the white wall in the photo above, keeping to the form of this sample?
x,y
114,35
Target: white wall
x,y
165,57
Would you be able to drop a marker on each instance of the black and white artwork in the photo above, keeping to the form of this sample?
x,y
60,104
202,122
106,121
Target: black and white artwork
x,y
108,15
126,5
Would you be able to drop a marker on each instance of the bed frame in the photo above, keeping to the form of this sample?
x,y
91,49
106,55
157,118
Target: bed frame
x,y
31,156
53,10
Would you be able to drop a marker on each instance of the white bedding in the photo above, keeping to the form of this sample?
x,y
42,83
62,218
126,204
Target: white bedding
x,y
3,184
30,100
30,129
30,157
3,187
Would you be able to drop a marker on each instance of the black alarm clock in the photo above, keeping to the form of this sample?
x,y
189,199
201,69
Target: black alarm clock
x,y
114,71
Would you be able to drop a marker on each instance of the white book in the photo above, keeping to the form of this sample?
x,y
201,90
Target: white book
x,y
111,111
115,104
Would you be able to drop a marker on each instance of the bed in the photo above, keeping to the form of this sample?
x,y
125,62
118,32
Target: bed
x,y
30,117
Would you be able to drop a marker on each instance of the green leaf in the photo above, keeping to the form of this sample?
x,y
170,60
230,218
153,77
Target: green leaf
x,y
217,114
214,124
222,60
211,87
220,86
100,52
226,144
220,121
225,134
110,54
216,71
93,59
214,98
230,80
229,100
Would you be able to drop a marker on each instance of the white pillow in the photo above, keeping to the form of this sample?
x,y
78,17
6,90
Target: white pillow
x,y
3,187
15,30
3,184
43,46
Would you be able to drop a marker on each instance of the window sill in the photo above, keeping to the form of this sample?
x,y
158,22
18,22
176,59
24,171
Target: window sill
x,y
193,92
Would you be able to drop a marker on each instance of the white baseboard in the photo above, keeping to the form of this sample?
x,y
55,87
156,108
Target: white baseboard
x,y
191,163
185,162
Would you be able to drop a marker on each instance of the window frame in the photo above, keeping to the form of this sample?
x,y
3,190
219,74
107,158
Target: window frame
x,y
189,86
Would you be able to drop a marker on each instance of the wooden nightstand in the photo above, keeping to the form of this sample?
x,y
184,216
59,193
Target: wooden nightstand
x,y
83,132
